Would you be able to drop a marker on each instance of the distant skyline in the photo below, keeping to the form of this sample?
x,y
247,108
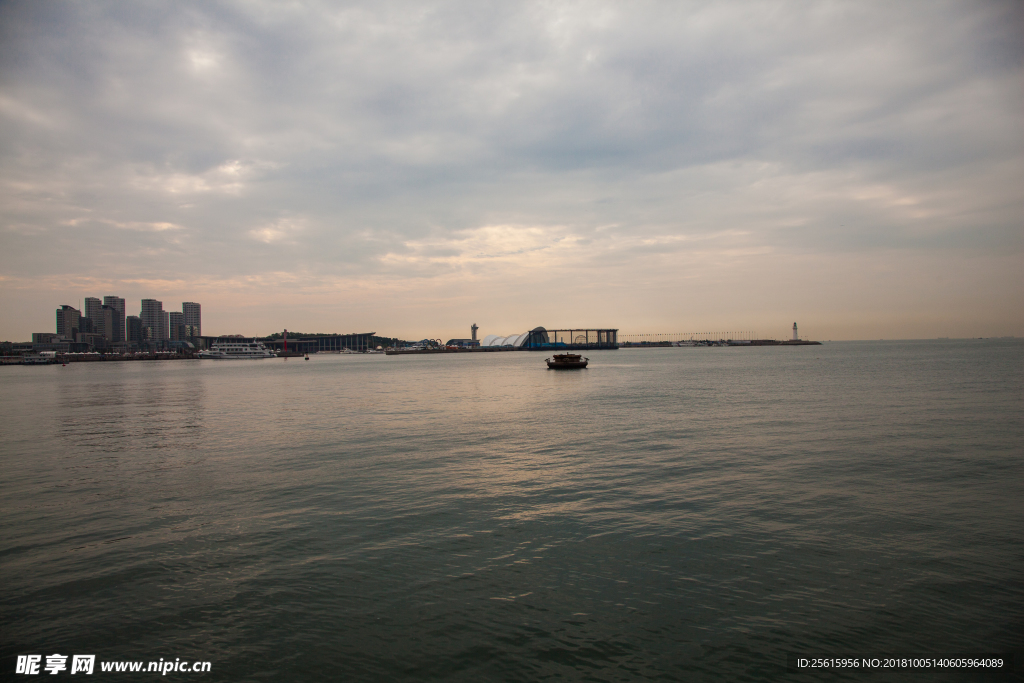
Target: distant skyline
x,y
412,168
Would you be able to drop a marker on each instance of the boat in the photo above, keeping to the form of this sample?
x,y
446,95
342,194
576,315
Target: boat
x,y
237,351
566,361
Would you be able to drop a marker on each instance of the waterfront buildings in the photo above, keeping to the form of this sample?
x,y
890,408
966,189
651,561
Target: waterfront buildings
x,y
104,323
540,338
160,327
463,343
193,314
92,307
68,321
133,331
107,328
117,304
152,319
326,343
176,326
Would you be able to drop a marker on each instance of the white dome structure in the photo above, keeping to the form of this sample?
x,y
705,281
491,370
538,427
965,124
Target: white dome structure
x,y
513,340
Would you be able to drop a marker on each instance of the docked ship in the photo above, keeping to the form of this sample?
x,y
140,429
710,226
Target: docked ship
x,y
43,358
237,351
566,361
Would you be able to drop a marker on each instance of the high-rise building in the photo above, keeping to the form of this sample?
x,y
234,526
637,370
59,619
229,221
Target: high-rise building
x,y
105,323
152,316
165,325
92,307
68,319
193,313
117,303
176,325
133,329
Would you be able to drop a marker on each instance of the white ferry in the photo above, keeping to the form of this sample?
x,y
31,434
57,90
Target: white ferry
x,y
42,358
237,350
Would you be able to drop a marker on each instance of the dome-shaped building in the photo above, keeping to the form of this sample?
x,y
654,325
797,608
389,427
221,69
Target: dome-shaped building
x,y
541,338
512,340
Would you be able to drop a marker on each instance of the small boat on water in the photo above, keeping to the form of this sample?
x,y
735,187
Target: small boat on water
x,y
567,361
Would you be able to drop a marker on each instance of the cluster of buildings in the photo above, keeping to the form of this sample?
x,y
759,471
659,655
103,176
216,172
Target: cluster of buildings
x,y
104,326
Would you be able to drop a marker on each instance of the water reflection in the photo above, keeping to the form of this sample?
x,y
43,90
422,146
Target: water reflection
x,y
124,408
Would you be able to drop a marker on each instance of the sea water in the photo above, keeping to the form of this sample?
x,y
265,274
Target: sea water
x,y
675,513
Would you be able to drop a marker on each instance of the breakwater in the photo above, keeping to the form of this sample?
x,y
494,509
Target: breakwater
x,y
421,352
63,359
720,342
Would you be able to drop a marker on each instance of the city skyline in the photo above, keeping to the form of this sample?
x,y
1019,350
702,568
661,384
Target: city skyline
x,y
659,167
104,326
191,316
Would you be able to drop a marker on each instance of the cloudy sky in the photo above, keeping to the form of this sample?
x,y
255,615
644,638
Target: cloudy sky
x,y
412,168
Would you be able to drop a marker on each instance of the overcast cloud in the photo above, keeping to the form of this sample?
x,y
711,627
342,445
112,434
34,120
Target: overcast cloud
x,y
411,168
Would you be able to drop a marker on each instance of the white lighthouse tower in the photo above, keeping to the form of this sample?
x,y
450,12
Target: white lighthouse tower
x,y
796,337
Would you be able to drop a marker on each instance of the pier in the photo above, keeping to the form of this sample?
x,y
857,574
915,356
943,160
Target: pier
x,y
648,340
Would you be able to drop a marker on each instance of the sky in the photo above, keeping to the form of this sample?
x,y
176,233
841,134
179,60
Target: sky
x,y
411,168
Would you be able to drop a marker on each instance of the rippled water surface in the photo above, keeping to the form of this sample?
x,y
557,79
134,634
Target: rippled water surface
x,y
684,514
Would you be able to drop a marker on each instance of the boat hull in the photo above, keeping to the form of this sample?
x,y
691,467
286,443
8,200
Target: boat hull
x,y
567,361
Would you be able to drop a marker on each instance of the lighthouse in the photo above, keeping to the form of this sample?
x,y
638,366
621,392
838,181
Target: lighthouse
x,y
796,337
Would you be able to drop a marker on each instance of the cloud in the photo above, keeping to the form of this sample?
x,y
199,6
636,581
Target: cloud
x,y
280,231
450,142
134,225
227,178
